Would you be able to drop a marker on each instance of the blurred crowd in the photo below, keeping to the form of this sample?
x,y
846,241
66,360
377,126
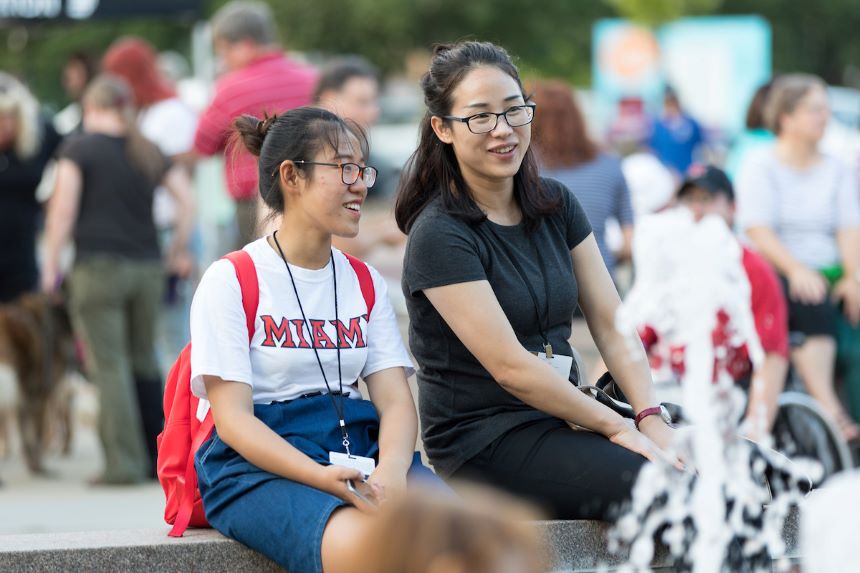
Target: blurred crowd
x,y
98,208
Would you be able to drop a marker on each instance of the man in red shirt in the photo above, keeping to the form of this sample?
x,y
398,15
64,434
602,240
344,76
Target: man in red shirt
x,y
708,191
259,79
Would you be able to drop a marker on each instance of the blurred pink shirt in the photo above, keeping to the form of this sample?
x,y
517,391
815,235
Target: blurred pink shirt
x,y
272,83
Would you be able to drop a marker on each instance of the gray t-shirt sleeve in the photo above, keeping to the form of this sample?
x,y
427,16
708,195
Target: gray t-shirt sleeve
x,y
441,251
756,194
625,206
847,199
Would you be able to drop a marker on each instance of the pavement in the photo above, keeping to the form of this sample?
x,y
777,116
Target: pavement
x,y
63,501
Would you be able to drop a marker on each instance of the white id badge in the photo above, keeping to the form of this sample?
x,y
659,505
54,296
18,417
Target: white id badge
x,y
559,362
362,464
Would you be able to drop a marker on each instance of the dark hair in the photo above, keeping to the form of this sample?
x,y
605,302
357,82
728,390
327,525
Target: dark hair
x,y
297,134
433,170
560,134
86,60
339,71
755,111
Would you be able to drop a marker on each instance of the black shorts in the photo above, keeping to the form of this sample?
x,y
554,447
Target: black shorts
x,y
805,320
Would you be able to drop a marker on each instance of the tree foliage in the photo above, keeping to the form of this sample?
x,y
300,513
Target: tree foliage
x,y
548,37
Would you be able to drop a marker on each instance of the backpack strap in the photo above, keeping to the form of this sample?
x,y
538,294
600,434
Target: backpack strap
x,y
365,282
246,272
249,285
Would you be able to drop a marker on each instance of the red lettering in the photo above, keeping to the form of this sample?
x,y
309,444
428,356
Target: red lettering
x,y
299,323
352,334
321,339
275,332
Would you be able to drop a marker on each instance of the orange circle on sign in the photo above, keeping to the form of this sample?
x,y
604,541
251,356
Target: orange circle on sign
x,y
630,53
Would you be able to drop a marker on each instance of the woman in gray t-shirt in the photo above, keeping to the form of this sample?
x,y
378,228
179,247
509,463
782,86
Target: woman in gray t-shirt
x,y
801,209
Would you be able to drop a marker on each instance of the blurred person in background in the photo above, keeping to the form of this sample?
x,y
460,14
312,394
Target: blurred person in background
x,y
27,143
708,191
103,201
676,137
651,184
349,87
423,533
567,154
166,121
801,210
258,80
80,68
756,133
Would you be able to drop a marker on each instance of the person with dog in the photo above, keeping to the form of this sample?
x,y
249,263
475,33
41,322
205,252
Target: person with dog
x,y
284,469
496,261
106,178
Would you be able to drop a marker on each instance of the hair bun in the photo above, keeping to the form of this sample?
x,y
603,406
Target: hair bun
x,y
264,124
441,48
252,131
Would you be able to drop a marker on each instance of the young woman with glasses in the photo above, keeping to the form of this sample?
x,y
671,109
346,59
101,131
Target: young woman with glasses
x,y
293,439
496,262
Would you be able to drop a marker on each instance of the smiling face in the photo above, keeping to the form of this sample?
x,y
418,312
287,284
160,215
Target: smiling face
x,y
318,194
487,159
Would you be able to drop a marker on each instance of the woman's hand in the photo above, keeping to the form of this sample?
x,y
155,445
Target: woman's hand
x,y
389,482
807,286
658,431
332,479
847,291
635,441
180,262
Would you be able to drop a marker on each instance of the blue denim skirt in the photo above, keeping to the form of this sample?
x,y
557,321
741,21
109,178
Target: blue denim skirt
x,y
283,519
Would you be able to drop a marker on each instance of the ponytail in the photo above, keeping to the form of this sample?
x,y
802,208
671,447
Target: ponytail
x,y
110,92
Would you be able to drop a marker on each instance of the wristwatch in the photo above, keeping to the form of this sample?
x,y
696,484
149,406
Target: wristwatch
x,y
654,410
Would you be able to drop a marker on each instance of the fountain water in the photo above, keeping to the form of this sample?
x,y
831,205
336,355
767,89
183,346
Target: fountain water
x,y
691,289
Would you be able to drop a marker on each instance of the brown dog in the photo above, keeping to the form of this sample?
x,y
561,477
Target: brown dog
x,y
36,342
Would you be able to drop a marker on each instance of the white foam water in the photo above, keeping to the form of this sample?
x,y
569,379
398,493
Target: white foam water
x,y
830,526
713,520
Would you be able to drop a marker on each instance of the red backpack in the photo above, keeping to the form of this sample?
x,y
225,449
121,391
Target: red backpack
x,y
183,433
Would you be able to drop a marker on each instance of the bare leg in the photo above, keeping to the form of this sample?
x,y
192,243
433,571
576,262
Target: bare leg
x,y
341,542
815,361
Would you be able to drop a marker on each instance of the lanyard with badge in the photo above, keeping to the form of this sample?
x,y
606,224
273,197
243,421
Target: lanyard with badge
x,y
559,362
360,463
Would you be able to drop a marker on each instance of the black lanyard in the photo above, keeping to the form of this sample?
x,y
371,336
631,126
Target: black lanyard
x,y
542,318
337,408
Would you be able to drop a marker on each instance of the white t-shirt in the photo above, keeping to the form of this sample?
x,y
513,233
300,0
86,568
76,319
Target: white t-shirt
x,y
280,363
169,124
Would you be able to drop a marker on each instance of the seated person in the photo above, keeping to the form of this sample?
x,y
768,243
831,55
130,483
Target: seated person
x,y
707,191
496,261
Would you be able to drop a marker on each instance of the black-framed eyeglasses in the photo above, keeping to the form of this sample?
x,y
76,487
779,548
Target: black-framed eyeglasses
x,y
349,172
486,121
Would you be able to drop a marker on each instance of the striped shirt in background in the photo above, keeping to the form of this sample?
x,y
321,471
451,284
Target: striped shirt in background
x,y
273,83
601,189
804,207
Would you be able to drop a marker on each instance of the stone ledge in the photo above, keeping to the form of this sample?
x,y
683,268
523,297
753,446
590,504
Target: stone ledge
x,y
577,546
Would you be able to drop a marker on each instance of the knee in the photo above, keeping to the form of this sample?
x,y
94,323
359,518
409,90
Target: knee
x,y
342,540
